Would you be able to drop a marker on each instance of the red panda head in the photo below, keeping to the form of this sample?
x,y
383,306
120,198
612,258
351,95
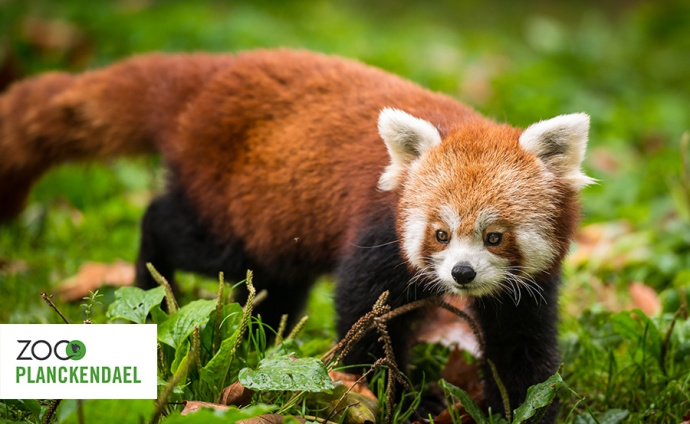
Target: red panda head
x,y
487,207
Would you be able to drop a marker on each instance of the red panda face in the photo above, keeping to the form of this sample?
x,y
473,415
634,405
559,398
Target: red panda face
x,y
480,211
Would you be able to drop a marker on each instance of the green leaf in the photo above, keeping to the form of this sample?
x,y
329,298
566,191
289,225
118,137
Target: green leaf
x,y
612,416
158,316
30,405
498,419
466,401
210,416
288,373
181,324
538,396
178,390
180,354
357,408
134,304
34,406
636,325
112,411
215,370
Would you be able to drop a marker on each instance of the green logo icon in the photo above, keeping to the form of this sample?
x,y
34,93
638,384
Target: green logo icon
x,y
75,350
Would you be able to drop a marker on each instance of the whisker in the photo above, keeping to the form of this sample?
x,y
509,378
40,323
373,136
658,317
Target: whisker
x,y
375,246
534,290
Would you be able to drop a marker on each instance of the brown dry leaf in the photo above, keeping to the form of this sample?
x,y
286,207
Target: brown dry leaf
x,y
609,246
93,275
51,34
645,298
463,375
192,406
445,417
604,160
236,394
350,380
586,242
12,267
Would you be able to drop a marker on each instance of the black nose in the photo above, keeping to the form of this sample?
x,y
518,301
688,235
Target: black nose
x,y
463,273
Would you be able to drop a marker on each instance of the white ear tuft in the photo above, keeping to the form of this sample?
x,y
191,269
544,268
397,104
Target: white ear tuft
x,y
560,143
406,138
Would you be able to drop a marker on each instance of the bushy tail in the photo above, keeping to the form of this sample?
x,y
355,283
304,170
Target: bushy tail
x,y
125,109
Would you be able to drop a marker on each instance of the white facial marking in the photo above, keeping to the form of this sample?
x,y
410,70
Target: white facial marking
x,y
489,267
536,249
449,217
484,219
414,233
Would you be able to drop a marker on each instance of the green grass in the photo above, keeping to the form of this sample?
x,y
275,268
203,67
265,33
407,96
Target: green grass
x,y
625,65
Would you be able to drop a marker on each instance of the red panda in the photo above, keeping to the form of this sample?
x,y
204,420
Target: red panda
x,y
296,164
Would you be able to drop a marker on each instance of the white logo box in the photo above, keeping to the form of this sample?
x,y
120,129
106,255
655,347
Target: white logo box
x,y
120,361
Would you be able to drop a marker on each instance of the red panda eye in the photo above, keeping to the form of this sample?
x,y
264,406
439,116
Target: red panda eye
x,y
442,236
494,239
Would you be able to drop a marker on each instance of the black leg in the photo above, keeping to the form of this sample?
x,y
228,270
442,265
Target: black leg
x,y
286,295
373,265
521,340
173,237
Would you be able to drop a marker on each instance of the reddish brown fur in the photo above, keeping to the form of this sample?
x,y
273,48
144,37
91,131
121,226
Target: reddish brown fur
x,y
279,133
277,117
121,110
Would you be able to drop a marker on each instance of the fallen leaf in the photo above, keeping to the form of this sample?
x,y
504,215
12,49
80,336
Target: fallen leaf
x,y
12,267
605,160
357,408
93,275
192,406
609,246
236,394
464,375
350,380
445,417
645,298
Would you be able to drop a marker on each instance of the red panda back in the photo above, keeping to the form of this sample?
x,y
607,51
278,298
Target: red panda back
x,y
281,149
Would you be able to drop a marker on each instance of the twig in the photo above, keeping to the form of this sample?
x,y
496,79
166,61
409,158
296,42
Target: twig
x,y
51,410
502,390
167,391
342,398
298,328
52,305
217,339
196,347
260,297
246,315
281,330
355,333
169,295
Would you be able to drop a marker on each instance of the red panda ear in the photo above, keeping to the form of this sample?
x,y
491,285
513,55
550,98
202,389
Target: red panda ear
x,y
406,138
560,143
